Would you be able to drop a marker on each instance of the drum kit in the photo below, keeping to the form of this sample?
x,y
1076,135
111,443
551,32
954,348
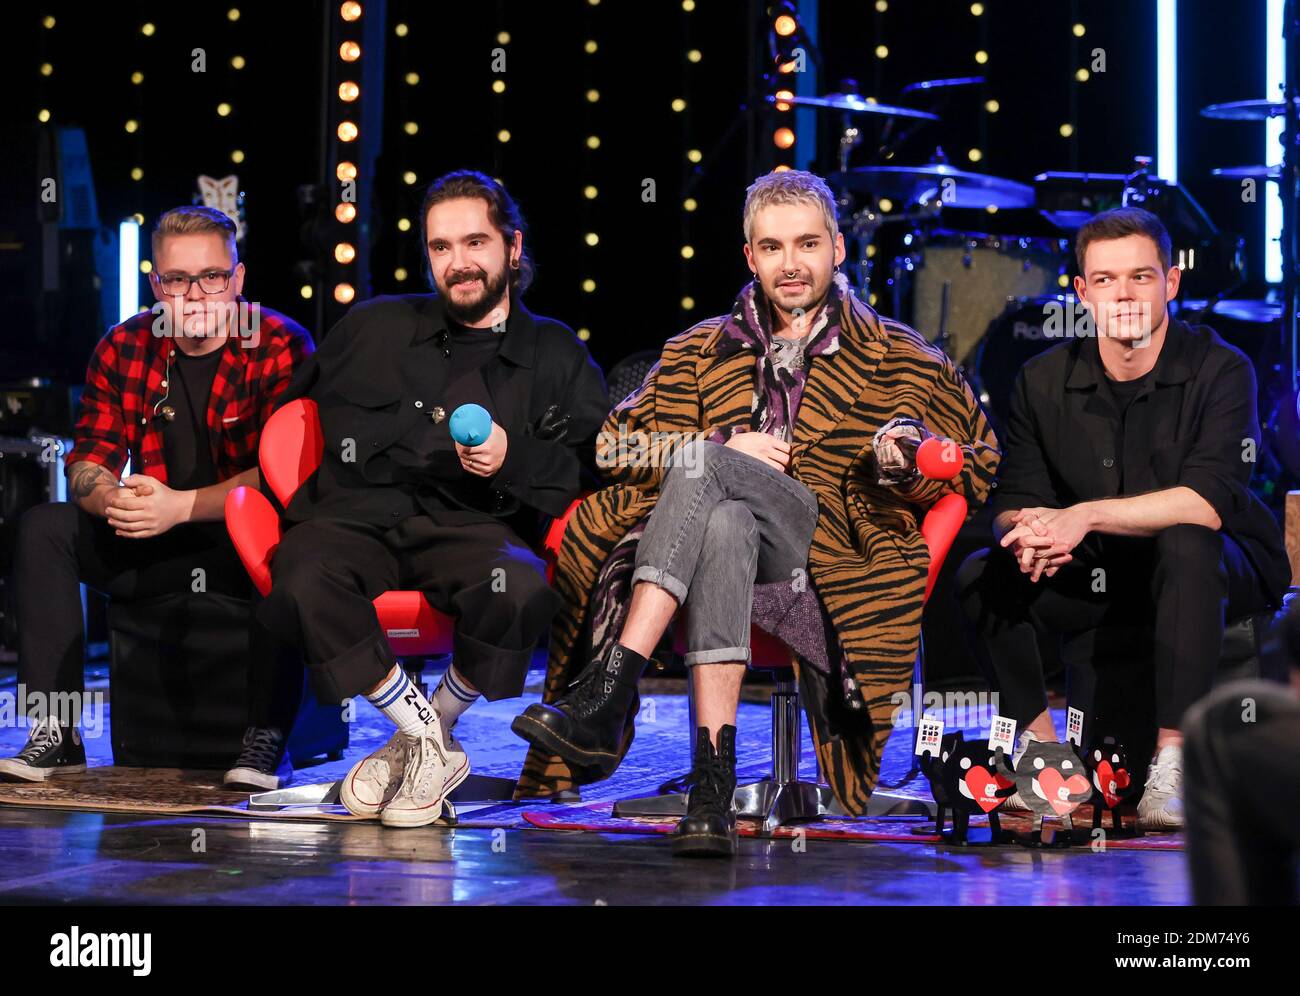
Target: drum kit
x,y
979,263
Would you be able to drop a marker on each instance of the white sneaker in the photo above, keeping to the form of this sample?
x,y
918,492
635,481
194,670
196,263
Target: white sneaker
x,y
1161,805
436,763
1014,803
373,781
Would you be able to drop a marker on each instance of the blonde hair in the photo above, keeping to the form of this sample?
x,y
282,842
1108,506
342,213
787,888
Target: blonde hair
x,y
790,186
195,220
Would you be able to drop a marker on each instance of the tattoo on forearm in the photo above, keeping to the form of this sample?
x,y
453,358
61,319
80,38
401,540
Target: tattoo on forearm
x,y
86,477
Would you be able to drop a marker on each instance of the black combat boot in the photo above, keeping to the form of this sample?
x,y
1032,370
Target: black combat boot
x,y
708,830
585,727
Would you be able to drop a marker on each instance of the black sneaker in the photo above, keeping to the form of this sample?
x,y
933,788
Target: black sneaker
x,y
585,727
263,764
708,830
51,750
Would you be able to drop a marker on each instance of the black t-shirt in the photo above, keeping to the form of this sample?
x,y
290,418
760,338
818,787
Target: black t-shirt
x,y
187,445
1122,393
430,454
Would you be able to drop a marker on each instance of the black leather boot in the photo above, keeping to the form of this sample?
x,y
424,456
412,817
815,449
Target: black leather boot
x,y
585,727
708,830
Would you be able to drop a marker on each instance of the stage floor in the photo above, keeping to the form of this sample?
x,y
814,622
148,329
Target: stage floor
x,y
54,856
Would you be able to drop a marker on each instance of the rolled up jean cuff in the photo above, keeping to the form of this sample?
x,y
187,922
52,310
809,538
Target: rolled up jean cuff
x,y
657,575
727,655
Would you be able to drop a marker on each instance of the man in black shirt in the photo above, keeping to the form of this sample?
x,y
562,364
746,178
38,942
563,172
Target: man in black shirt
x,y
1123,497
397,503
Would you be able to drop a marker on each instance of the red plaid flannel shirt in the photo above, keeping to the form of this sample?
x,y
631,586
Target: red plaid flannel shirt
x,y
120,411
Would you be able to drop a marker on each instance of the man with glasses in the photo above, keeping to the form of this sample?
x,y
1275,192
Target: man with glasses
x,y
182,391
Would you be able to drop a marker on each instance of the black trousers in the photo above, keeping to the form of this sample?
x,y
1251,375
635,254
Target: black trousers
x,y
1241,752
61,546
1183,584
326,573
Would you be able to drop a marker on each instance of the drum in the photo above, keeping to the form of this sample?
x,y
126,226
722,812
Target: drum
x,y
969,276
1026,327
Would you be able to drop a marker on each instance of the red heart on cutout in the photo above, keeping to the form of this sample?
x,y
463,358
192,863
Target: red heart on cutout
x,y
1105,775
1050,783
982,785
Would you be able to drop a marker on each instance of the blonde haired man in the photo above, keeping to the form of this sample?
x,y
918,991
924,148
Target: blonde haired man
x,y
783,491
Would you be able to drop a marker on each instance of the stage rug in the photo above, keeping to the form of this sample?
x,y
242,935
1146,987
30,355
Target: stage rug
x,y
597,817
169,791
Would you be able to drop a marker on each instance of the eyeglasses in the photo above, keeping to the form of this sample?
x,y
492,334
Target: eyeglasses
x,y
209,281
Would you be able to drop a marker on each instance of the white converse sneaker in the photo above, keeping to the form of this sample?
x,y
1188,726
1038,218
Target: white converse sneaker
x,y
1014,803
373,781
1161,805
435,765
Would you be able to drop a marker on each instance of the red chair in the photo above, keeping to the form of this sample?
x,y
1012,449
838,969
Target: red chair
x,y
288,454
782,798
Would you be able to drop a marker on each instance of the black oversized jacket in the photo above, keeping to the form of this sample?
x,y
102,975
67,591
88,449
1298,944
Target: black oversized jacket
x,y
379,373
1193,424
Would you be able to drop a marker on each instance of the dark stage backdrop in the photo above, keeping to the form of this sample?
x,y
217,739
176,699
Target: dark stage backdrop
x,y
557,97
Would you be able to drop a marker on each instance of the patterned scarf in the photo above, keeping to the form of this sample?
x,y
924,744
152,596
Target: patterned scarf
x,y
778,388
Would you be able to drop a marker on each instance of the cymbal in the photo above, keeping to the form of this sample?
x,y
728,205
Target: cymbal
x,y
912,183
925,85
854,105
1245,110
1248,172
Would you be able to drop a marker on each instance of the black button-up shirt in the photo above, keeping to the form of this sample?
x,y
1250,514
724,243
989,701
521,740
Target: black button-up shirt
x,y
379,376
1193,423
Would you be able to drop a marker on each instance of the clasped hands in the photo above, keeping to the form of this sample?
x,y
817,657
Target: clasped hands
x,y
1041,539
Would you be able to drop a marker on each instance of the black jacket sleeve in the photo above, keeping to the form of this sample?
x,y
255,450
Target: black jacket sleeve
x,y
548,474
1024,480
1219,466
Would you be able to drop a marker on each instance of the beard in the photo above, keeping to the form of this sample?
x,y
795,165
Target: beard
x,y
468,310
803,304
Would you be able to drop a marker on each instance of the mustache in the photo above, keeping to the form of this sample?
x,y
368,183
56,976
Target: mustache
x,y
461,278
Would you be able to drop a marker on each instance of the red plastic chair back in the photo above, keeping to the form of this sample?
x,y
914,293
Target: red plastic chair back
x,y
291,448
254,528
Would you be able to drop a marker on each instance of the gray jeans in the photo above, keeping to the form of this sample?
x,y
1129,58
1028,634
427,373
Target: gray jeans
x,y
723,521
